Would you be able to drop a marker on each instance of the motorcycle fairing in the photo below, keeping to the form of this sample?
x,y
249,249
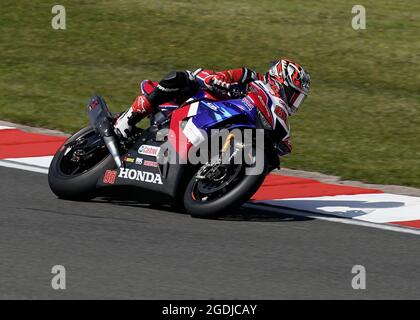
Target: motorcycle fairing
x,y
189,121
138,172
166,179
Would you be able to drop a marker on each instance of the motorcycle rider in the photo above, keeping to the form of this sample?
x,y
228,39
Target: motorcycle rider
x,y
285,83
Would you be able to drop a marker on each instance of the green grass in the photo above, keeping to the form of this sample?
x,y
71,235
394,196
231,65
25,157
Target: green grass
x,y
361,122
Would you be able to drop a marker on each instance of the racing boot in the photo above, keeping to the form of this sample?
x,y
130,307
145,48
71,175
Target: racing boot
x,y
140,108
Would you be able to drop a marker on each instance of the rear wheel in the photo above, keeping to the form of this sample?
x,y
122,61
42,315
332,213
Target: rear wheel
x,y
77,166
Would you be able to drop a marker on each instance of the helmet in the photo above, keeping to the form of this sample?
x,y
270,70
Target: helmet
x,y
289,82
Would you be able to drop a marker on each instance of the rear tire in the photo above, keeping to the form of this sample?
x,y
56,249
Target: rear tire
x,y
76,187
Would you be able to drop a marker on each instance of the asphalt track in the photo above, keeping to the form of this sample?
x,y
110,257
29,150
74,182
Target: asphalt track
x,y
114,250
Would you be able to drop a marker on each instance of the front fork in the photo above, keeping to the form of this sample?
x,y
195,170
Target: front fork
x,y
211,169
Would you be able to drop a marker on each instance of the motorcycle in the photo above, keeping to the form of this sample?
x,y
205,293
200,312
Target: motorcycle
x,y
94,162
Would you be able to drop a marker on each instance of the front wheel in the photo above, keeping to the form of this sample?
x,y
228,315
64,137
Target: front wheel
x,y
227,187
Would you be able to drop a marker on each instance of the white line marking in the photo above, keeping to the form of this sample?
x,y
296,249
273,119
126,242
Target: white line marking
x,y
6,128
311,215
376,207
22,167
43,162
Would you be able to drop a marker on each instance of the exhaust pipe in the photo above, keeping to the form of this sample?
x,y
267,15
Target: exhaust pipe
x,y
111,143
100,119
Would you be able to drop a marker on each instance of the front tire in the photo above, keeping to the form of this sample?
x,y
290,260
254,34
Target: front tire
x,y
244,188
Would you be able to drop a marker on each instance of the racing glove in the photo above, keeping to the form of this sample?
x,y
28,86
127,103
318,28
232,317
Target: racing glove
x,y
230,82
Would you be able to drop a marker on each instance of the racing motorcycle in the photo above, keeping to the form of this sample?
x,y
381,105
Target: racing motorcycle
x,y
94,162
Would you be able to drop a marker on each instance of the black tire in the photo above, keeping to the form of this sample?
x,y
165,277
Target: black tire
x,y
241,193
79,187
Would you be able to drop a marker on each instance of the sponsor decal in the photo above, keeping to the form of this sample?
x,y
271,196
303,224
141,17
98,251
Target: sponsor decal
x,y
110,177
281,114
138,175
213,107
261,100
129,159
148,163
247,104
148,150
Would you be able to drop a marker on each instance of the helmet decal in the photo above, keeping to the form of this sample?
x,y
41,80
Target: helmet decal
x,y
288,76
